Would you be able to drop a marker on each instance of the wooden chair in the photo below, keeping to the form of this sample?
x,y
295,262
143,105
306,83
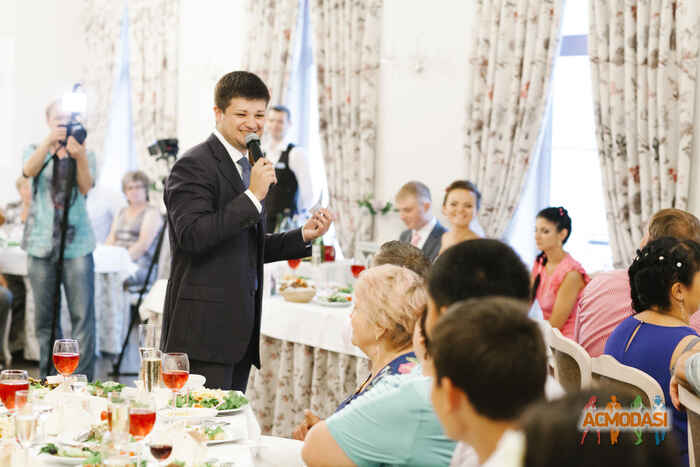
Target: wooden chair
x,y
691,402
612,374
572,364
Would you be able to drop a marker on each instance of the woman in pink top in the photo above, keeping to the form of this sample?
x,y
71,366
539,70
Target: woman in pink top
x,y
557,278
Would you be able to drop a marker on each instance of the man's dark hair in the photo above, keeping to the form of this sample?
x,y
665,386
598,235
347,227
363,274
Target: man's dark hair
x,y
554,439
494,353
402,254
478,268
240,84
282,108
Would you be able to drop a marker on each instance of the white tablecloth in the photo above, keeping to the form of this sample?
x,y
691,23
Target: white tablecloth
x,y
112,266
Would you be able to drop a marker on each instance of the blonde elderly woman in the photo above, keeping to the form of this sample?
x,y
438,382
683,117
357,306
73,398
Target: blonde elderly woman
x,y
136,226
388,301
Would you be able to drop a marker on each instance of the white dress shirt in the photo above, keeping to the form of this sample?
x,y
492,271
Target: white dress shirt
x,y
299,164
424,233
235,156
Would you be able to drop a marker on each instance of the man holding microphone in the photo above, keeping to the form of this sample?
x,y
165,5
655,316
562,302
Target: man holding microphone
x,y
215,200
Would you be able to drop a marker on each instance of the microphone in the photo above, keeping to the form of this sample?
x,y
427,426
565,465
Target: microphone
x,y
253,143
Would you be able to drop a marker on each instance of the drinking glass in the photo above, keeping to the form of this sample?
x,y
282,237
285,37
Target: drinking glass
x,y
66,356
151,373
148,336
293,263
118,419
12,381
25,429
36,398
160,443
142,415
21,398
357,266
78,383
176,370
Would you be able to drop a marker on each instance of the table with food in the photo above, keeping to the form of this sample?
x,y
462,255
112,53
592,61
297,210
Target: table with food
x,y
168,417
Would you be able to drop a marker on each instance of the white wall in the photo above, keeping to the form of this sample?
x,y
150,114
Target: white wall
x,y
48,58
422,98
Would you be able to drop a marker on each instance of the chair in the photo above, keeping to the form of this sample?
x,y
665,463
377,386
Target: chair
x,y
614,375
691,402
572,364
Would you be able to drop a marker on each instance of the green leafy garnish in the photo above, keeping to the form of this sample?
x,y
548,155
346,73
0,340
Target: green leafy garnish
x,y
347,290
212,432
49,449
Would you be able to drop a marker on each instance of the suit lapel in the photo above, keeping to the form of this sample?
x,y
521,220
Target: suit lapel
x,y
433,236
226,165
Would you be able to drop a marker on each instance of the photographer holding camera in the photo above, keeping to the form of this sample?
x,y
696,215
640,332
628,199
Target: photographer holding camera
x,y
62,171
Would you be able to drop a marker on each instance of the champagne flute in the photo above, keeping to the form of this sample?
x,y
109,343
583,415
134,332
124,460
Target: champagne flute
x,y
25,429
12,381
66,356
151,373
176,371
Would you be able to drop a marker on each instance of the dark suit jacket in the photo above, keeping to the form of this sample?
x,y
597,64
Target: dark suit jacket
x,y
432,244
212,309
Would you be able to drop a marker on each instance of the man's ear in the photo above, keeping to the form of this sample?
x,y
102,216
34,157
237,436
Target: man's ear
x,y
453,395
443,309
218,113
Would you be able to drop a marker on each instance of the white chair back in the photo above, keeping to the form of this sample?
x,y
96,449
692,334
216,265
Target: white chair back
x,y
691,402
572,364
607,371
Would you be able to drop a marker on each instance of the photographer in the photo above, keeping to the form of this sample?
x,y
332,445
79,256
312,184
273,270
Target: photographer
x,y
49,165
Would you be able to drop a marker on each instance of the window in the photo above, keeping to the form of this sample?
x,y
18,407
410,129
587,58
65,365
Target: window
x,y
567,171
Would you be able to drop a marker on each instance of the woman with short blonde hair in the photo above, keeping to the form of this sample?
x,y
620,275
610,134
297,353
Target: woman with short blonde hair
x,y
389,300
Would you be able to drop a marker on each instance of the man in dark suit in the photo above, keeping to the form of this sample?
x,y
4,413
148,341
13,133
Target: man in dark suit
x,y
424,231
215,195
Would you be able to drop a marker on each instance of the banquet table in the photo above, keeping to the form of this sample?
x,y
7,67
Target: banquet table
x,y
112,266
308,361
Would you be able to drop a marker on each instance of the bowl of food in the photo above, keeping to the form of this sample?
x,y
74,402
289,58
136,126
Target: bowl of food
x,y
299,290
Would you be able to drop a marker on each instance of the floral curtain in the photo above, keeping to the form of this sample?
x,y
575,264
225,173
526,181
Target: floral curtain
x,y
346,43
271,32
509,77
153,26
101,22
643,66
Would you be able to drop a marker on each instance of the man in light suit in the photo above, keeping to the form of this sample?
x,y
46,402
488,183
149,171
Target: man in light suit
x,y
215,196
424,231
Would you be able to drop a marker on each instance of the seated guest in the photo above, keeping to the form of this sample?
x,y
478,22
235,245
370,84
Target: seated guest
x,y
552,438
606,301
136,227
388,301
16,212
665,284
558,279
402,254
489,363
424,231
687,373
461,203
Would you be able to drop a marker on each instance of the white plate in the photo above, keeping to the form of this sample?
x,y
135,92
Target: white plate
x,y
318,301
59,459
233,411
190,414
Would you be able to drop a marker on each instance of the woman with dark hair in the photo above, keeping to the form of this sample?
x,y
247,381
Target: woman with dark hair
x,y
665,289
461,203
557,278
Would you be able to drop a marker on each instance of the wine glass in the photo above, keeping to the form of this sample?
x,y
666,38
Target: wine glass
x,y
25,429
160,444
357,266
142,415
176,371
78,383
66,356
12,381
294,263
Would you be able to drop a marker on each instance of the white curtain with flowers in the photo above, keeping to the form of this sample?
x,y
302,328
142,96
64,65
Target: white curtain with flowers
x,y
101,23
643,66
271,38
346,43
153,30
510,71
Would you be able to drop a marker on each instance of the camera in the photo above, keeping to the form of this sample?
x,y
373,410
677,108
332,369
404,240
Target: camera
x,y
75,129
164,148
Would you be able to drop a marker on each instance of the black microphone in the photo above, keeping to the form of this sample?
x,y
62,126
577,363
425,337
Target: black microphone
x,y
253,143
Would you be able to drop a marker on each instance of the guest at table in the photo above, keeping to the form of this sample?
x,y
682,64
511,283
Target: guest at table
x,y
414,204
461,203
136,228
402,254
605,302
557,278
665,284
16,212
51,164
388,301
489,363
